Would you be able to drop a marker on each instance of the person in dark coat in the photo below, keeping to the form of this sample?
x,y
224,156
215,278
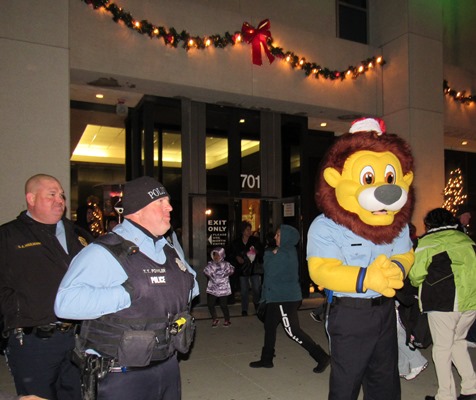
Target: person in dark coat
x,y
35,251
283,297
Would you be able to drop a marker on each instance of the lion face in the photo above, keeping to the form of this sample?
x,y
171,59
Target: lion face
x,y
371,185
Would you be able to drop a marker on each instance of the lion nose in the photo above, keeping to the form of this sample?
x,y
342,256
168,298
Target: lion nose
x,y
388,194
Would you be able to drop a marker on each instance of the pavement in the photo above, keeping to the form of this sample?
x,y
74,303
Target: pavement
x,y
217,366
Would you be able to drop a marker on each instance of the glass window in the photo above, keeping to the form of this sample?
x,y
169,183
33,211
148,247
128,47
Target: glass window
x,y
250,155
218,120
250,166
233,150
216,162
352,20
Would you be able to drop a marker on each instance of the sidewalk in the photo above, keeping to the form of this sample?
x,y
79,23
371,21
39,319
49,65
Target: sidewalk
x,y
217,367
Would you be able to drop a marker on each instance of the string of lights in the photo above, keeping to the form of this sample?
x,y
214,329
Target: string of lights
x,y
257,37
453,193
458,95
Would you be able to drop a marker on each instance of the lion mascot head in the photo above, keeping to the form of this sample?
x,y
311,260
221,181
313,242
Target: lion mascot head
x,y
365,181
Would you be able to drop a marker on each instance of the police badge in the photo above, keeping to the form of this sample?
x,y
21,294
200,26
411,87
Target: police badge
x,y
180,264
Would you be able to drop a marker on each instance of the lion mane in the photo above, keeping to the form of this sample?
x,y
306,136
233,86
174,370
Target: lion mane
x,y
338,153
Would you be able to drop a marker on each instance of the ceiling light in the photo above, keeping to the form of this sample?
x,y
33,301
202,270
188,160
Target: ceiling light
x,y
242,121
464,142
99,96
323,124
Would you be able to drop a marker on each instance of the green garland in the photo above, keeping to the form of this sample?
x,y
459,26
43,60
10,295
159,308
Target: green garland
x,y
173,38
457,95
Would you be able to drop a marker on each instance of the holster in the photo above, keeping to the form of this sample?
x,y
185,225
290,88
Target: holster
x,y
93,368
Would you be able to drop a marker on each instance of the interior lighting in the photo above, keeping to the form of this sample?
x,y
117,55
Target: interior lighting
x,y
99,96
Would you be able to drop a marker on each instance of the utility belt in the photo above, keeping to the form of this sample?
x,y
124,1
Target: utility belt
x,y
44,331
359,302
136,350
102,365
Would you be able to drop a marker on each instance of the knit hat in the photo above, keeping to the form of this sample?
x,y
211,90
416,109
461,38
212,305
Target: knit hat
x,y
140,192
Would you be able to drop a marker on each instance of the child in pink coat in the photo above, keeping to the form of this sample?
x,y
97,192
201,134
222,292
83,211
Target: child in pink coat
x,y
218,272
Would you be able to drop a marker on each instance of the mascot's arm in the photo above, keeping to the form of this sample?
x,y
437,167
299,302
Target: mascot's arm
x,y
331,274
404,261
382,276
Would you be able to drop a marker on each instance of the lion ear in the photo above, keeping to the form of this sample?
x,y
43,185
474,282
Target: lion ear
x,y
332,176
408,178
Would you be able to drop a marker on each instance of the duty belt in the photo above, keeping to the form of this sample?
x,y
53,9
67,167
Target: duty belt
x,y
120,368
359,302
44,331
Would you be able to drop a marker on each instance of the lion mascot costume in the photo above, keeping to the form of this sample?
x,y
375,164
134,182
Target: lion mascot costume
x,y
360,251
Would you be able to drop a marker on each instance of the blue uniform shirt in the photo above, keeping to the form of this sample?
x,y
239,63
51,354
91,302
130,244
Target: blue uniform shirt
x,y
327,239
92,286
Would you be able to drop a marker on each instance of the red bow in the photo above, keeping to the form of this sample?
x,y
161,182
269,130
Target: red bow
x,y
257,37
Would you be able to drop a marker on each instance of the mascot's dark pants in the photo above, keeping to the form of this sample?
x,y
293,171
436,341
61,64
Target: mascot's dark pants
x,y
364,349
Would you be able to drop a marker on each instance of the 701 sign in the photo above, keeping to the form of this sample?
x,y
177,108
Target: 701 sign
x,y
250,181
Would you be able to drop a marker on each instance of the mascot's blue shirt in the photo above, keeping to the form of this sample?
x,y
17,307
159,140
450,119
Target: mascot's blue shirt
x,y
327,239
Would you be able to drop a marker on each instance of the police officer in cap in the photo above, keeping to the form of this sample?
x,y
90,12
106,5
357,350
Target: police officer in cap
x,y
131,301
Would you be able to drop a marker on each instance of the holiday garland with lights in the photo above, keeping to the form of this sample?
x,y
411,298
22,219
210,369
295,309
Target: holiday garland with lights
x,y
457,95
258,37
453,192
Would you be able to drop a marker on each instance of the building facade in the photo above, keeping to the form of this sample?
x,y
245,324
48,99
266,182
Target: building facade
x,y
52,53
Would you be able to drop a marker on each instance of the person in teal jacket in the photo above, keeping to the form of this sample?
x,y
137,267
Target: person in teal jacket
x,y
282,293
445,273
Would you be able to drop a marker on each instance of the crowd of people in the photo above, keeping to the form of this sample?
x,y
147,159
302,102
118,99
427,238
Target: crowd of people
x,y
99,307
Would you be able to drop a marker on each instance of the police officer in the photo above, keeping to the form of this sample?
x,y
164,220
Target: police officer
x,y
35,251
131,298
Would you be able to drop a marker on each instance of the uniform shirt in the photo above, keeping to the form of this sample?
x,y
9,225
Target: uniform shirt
x,y
92,287
327,239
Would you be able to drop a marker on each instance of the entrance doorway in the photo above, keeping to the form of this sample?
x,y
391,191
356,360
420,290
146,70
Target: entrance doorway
x,y
225,214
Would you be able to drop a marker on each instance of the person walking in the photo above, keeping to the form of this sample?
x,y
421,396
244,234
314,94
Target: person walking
x,y
35,251
283,297
247,253
218,272
445,273
133,290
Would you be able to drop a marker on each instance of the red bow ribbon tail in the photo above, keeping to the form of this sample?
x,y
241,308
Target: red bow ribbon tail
x,y
258,37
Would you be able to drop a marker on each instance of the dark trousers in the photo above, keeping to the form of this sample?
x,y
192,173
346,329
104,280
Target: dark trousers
x,y
43,367
287,314
245,282
364,352
157,382
222,301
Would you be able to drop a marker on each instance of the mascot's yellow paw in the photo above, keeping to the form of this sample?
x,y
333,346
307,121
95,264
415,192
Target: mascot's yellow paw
x,y
383,276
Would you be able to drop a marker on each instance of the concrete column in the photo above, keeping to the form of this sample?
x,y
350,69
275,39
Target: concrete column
x,y
194,189
34,97
270,148
411,35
